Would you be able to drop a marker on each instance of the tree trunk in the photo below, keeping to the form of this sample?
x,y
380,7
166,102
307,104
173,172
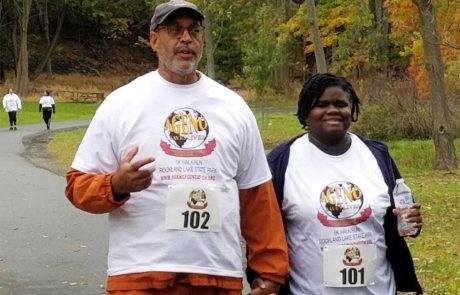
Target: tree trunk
x,y
52,45
210,67
2,45
443,132
282,76
382,28
14,43
39,13
44,25
2,74
22,76
46,29
314,27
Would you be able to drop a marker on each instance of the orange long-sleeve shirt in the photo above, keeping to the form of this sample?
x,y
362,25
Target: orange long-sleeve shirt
x,y
261,226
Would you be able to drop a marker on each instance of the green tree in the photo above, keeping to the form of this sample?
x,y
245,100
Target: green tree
x,y
380,45
260,48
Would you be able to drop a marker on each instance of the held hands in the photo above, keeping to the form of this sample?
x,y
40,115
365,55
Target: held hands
x,y
264,287
412,214
129,177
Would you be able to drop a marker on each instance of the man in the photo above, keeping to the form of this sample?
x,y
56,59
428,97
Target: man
x,y
177,161
12,105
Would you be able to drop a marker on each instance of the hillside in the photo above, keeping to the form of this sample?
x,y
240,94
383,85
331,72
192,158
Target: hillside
x,y
87,65
97,56
88,69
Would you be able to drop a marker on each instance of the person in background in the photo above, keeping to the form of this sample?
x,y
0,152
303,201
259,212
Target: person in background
x,y
47,105
12,105
177,161
335,192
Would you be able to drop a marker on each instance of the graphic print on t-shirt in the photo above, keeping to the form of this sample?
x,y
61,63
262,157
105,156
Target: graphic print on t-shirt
x,y
186,140
341,203
187,132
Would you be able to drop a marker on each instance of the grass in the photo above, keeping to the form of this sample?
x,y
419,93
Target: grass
x,y
65,111
277,127
436,251
65,144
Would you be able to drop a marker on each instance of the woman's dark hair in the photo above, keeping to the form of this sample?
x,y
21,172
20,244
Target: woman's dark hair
x,y
315,86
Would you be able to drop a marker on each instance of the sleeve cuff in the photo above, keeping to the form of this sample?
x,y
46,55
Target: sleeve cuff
x,y
115,199
274,278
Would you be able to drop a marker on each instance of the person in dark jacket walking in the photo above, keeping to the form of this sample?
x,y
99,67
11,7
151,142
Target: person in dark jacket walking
x,y
335,191
47,105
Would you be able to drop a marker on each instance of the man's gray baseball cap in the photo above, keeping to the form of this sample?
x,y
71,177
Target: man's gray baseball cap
x,y
164,10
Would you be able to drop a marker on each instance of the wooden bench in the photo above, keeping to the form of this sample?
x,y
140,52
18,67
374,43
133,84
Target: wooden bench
x,y
78,96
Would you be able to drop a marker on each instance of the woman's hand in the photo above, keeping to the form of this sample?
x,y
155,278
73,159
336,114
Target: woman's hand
x,y
264,287
412,215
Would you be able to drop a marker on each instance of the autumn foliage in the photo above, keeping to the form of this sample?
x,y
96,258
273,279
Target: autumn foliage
x,y
405,30
356,44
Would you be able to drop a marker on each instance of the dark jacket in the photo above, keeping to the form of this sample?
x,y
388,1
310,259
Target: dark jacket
x,y
398,253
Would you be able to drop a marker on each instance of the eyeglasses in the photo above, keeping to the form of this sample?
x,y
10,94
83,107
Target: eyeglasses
x,y
176,31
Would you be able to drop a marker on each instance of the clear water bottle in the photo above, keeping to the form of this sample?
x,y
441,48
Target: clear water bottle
x,y
402,196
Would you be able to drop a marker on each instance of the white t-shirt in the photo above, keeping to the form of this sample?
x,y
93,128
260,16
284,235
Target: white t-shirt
x,y
46,101
330,201
11,102
207,146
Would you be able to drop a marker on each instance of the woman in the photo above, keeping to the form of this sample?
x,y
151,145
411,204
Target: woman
x,y
47,104
335,192
12,105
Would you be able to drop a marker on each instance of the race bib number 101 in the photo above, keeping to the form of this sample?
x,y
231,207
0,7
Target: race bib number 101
x,y
349,265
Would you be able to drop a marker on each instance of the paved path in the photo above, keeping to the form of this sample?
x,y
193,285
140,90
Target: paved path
x,y
47,246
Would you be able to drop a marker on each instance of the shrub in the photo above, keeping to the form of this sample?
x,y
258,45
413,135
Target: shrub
x,y
390,120
393,109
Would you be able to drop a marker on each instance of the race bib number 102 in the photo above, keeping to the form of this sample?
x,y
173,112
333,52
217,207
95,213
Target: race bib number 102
x,y
193,209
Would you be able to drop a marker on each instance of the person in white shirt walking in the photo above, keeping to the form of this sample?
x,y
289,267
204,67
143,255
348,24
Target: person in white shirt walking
x,y
12,105
48,106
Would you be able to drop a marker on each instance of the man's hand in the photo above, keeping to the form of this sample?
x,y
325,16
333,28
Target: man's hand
x,y
129,177
264,287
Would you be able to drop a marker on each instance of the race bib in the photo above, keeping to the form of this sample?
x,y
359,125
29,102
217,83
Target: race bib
x,y
193,209
349,265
